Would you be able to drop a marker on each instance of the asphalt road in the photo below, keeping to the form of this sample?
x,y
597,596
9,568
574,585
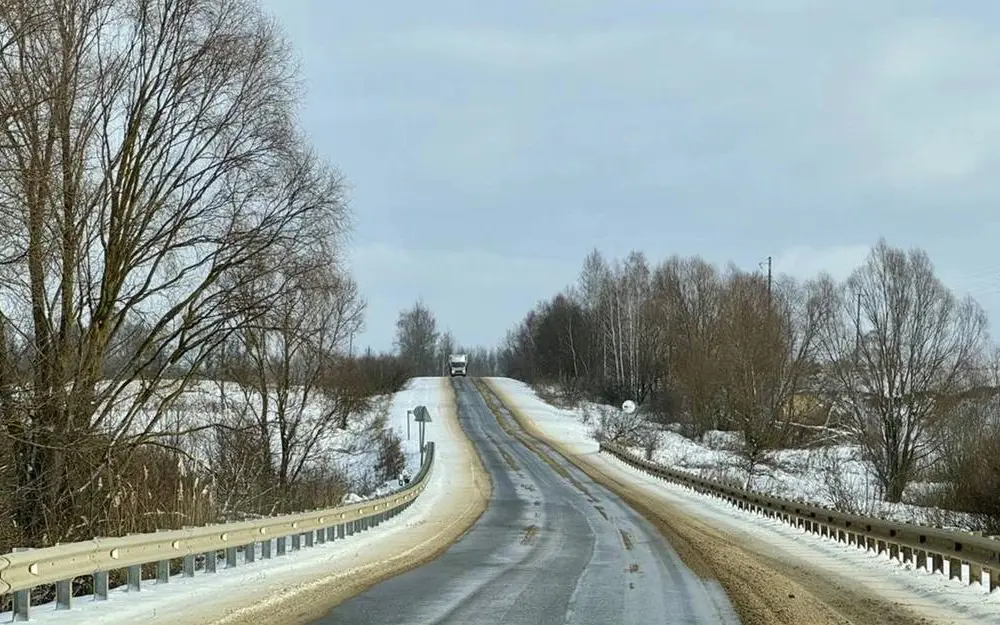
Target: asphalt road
x,y
552,547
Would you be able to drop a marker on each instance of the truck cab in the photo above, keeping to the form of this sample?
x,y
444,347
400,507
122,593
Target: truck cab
x,y
458,364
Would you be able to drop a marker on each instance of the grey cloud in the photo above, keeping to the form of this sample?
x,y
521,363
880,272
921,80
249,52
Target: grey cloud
x,y
736,130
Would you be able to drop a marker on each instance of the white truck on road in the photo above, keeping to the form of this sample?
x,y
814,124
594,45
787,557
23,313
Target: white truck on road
x,y
458,364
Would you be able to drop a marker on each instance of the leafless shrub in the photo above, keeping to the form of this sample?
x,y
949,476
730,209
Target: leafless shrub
x,y
969,464
622,428
843,493
391,460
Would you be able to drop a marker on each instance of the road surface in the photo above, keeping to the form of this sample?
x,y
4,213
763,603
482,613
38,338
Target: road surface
x,y
552,547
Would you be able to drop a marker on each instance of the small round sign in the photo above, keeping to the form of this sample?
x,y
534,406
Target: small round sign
x,y
628,406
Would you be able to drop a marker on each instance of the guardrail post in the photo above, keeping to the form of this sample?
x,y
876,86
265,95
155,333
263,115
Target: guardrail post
x,y
954,568
296,542
321,535
265,549
134,577
187,567
250,552
975,574
310,537
341,530
64,594
230,557
22,605
282,545
101,586
163,572
938,561
331,533
994,578
921,560
907,555
22,598
211,561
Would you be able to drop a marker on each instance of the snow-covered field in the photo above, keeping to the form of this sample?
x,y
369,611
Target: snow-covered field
x,y
351,451
934,594
832,476
205,598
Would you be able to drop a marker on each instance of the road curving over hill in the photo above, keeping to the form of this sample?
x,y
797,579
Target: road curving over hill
x,y
553,547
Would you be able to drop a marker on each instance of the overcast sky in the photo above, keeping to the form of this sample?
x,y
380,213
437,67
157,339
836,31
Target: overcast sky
x,y
490,145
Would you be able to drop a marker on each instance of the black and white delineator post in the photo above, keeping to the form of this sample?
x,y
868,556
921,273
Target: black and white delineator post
x,y
421,416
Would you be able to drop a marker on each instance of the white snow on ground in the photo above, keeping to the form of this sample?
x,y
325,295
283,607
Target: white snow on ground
x,y
256,582
359,462
934,594
351,450
832,476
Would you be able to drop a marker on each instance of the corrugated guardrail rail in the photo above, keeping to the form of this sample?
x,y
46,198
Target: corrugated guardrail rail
x,y
23,570
929,547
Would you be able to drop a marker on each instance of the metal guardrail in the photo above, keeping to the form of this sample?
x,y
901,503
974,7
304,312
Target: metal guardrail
x,y
21,571
927,547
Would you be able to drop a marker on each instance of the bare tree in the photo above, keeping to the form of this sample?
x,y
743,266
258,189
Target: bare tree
x,y
899,345
282,374
154,164
416,339
767,342
446,346
687,298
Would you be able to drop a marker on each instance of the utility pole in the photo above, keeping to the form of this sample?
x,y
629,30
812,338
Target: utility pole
x,y
768,280
857,325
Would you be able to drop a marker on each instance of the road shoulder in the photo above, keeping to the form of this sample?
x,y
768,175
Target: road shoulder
x,y
455,499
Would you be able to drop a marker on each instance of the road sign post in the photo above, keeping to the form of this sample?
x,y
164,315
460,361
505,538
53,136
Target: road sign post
x,y
421,416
